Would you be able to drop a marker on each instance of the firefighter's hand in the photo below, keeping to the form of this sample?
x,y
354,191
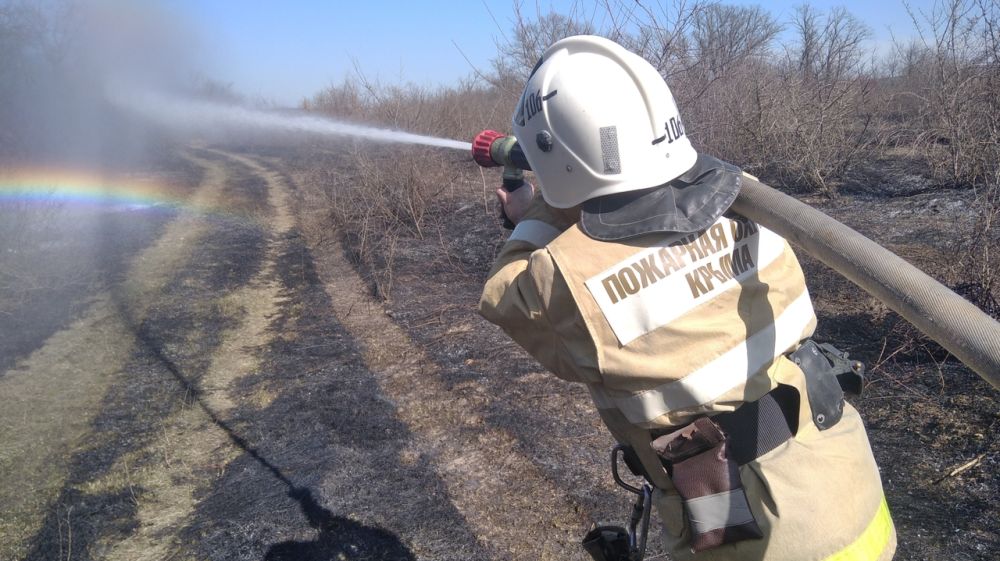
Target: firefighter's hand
x,y
515,203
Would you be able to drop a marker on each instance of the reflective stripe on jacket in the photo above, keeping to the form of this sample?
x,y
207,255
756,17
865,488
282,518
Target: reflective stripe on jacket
x,y
662,327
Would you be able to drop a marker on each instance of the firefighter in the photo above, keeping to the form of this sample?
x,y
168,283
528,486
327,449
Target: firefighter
x,y
689,324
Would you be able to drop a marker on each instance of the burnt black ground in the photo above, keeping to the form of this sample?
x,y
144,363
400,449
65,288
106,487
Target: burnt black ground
x,y
335,440
926,413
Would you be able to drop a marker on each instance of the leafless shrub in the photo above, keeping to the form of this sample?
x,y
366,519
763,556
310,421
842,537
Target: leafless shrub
x,y
457,112
389,197
950,75
393,192
948,80
822,123
659,33
340,100
800,109
799,113
725,36
728,94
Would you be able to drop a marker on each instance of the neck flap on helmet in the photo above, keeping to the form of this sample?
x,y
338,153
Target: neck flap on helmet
x,y
689,203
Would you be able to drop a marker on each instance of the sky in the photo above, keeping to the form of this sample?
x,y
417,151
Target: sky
x,y
287,50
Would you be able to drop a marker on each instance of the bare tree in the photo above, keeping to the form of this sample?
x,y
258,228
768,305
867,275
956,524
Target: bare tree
x,y
955,83
832,50
804,118
826,111
722,93
518,53
724,36
660,32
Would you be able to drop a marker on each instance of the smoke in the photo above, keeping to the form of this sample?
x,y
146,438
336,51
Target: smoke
x,y
58,59
106,82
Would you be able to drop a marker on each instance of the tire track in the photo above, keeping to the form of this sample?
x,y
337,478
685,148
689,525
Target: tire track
x,y
172,463
191,439
366,437
185,513
157,265
476,462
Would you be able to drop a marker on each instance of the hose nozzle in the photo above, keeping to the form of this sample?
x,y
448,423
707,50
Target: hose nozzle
x,y
481,147
491,149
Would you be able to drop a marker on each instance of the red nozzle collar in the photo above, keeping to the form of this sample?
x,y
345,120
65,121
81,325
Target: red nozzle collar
x,y
481,147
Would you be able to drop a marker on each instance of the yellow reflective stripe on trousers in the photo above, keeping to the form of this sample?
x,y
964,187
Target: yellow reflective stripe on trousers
x,y
871,542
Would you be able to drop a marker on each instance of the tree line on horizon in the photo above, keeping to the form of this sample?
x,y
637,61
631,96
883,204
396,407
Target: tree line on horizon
x,y
801,102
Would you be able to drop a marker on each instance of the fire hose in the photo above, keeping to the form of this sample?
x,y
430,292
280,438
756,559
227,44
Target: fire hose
x,y
953,322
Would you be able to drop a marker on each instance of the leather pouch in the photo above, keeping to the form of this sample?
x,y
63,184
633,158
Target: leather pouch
x,y
708,481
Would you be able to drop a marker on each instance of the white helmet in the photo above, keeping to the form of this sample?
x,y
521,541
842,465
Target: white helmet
x,y
596,119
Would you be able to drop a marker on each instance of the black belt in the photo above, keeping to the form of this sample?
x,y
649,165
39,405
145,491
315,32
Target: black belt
x,y
757,427
752,430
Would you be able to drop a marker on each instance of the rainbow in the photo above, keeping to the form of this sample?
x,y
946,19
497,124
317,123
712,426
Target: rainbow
x,y
77,187
89,189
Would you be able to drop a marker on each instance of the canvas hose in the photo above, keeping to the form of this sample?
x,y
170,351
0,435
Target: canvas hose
x,y
956,324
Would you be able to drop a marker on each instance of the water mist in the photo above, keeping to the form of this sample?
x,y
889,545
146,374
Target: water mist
x,y
198,115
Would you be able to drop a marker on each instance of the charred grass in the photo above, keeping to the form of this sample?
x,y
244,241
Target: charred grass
x,y
933,423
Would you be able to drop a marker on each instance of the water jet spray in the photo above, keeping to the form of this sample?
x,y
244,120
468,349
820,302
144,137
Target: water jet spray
x,y
190,114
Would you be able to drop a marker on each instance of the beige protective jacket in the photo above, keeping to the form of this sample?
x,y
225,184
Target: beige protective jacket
x,y
665,328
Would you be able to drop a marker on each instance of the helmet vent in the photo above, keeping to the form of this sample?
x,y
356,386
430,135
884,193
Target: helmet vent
x,y
609,150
